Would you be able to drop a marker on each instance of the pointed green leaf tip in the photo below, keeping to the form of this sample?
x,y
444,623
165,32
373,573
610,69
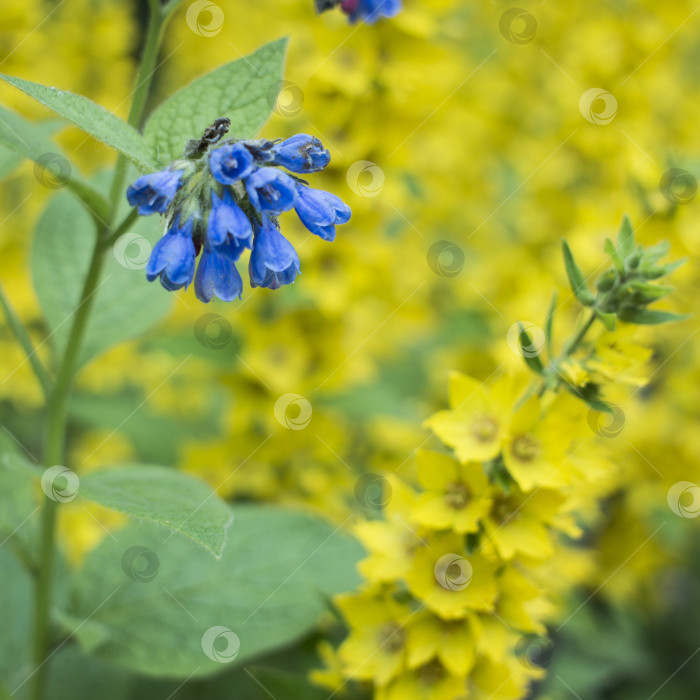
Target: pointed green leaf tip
x,y
576,280
625,237
649,317
91,118
532,359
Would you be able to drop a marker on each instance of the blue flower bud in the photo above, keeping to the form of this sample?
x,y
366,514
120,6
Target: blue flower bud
x,y
271,190
154,193
230,163
172,258
217,274
273,261
370,11
228,221
301,154
320,211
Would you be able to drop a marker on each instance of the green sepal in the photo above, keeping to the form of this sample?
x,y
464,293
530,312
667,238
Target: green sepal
x,y
612,252
646,293
649,317
608,319
549,323
525,341
625,237
576,280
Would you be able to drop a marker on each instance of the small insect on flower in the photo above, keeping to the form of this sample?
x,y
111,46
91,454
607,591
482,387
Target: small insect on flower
x,y
223,199
367,11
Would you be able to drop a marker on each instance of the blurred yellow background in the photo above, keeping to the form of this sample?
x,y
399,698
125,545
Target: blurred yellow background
x,y
468,138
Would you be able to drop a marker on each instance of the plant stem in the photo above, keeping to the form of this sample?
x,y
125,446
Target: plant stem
x,y
569,347
25,341
53,455
576,339
144,79
54,452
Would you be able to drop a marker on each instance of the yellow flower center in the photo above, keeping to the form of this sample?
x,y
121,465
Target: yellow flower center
x,y
485,428
457,495
525,447
502,510
392,637
430,674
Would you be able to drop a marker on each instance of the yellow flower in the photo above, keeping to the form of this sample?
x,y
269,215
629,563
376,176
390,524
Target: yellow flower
x,y
376,646
497,681
619,359
331,675
518,523
535,452
392,542
456,495
517,601
432,681
476,424
452,642
449,582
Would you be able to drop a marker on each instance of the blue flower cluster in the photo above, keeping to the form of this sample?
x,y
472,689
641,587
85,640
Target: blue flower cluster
x,y
368,11
227,201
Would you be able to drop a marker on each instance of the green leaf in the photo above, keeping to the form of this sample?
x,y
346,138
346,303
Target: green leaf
x,y
649,317
576,280
163,496
160,495
125,304
612,252
75,675
91,118
19,507
20,139
15,631
625,237
654,253
649,292
548,325
243,90
525,342
270,588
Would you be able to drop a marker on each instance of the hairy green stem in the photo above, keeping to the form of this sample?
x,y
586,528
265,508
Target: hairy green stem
x,y
55,444
144,79
25,341
569,348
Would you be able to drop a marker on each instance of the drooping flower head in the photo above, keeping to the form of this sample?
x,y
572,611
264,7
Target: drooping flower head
x,y
221,201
